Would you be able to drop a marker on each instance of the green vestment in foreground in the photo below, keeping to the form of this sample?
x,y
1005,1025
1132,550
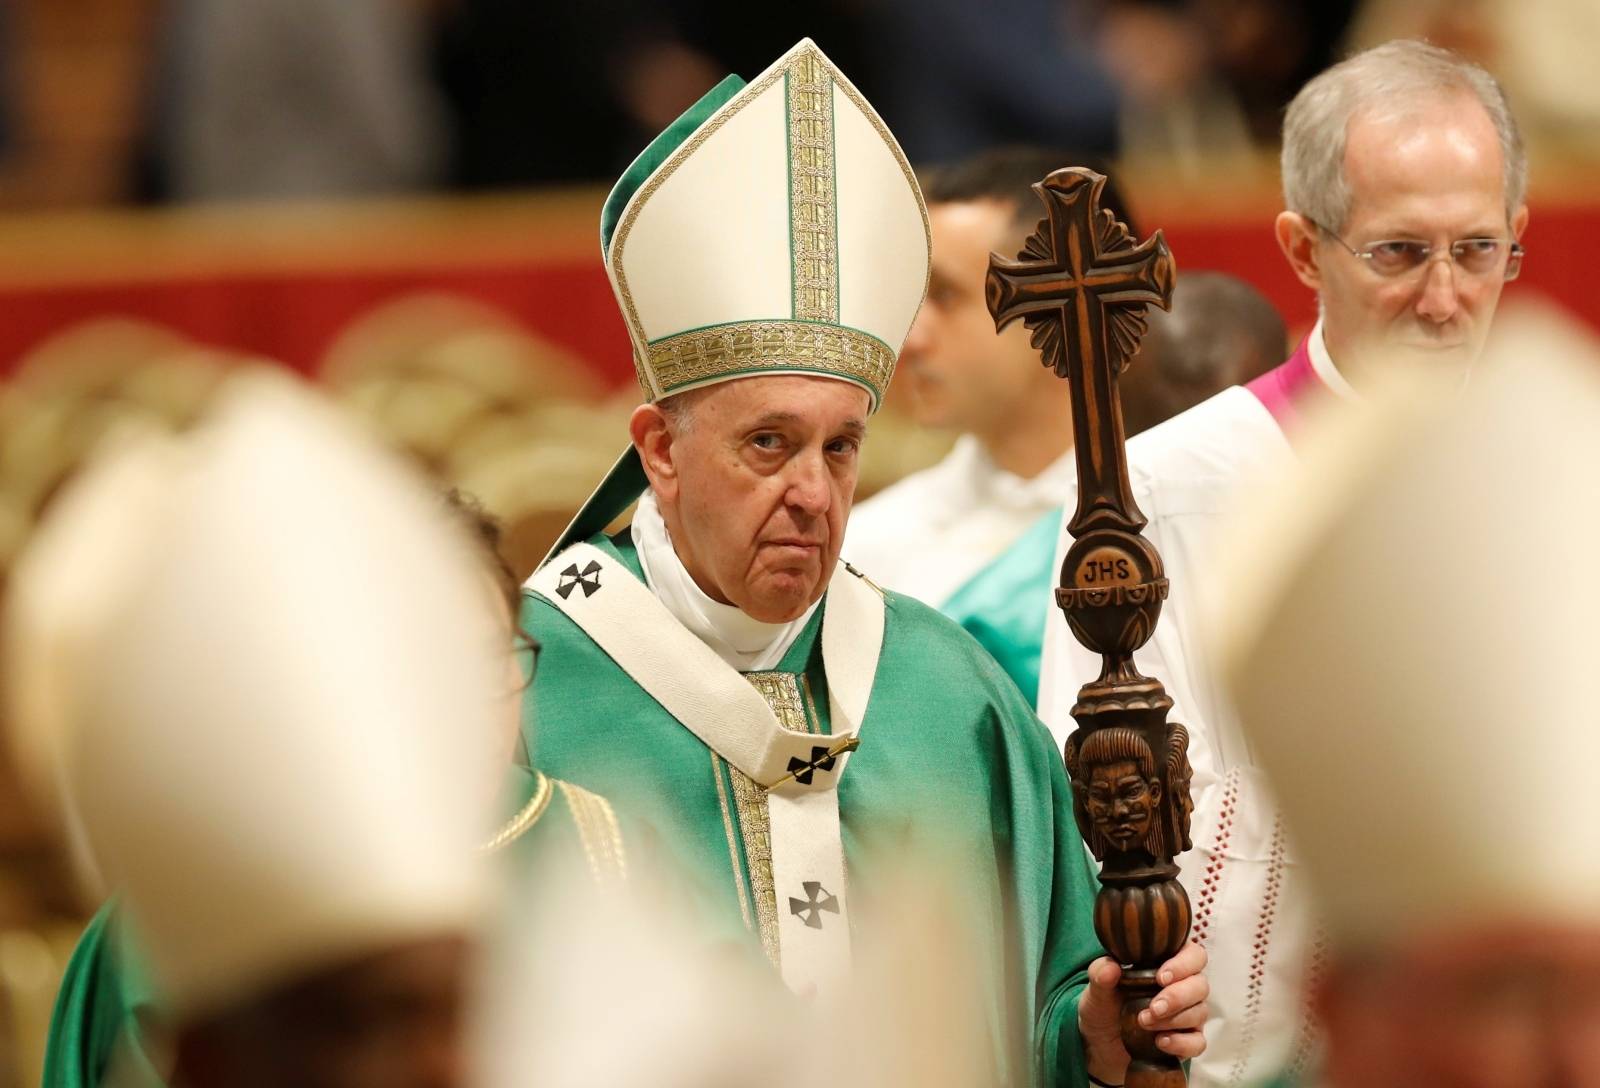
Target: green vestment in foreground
x,y
107,1015
102,1012
952,762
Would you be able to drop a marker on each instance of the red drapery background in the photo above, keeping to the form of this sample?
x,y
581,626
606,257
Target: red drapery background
x,y
284,282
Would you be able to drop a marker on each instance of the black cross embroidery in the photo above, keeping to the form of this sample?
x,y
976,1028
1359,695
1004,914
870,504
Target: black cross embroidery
x,y
809,910
821,760
572,578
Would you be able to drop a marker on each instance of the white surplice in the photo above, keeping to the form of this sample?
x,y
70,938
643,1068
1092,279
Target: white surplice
x,y
934,531
1250,908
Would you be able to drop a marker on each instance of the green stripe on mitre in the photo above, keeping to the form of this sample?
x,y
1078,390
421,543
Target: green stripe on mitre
x,y
651,158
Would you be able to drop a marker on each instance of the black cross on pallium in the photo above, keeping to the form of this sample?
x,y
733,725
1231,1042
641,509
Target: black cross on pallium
x,y
572,578
809,910
821,760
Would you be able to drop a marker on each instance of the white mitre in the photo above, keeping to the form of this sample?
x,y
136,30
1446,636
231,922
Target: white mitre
x,y
89,550
775,228
274,756
1409,637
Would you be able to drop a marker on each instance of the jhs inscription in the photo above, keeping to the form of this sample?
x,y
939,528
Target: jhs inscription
x,y
1107,567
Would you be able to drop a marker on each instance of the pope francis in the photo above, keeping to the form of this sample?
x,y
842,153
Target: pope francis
x,y
784,724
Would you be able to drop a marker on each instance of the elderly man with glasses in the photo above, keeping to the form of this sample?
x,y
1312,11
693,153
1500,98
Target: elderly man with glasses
x,y
1403,179
1403,172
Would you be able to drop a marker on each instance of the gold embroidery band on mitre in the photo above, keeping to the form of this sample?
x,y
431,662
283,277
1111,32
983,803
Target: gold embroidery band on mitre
x,y
813,211
751,347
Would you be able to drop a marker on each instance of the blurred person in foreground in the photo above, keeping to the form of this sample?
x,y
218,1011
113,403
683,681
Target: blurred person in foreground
x,y
1410,621
788,727
288,829
1403,176
120,1018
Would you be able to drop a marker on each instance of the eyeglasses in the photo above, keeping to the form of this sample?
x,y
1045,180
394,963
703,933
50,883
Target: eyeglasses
x,y
1473,256
524,643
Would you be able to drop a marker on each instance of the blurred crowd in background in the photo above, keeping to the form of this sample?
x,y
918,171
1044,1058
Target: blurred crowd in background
x,y
106,104
107,101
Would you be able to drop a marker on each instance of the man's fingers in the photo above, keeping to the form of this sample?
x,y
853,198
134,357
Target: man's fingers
x,y
1183,994
1105,973
1191,1019
1182,1044
1190,960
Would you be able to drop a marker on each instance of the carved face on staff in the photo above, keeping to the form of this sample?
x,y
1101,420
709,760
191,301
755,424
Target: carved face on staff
x,y
1120,791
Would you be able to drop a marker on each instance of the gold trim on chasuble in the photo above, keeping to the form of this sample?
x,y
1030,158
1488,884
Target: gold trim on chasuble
x,y
755,829
598,833
783,694
526,817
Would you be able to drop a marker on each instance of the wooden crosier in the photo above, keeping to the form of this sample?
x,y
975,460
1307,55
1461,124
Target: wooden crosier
x,y
1081,285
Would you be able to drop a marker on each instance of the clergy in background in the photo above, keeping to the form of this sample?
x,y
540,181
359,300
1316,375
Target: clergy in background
x,y
986,518
1403,176
1220,332
936,534
789,728
1408,644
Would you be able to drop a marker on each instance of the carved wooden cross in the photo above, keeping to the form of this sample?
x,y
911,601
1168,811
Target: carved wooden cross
x,y
1081,285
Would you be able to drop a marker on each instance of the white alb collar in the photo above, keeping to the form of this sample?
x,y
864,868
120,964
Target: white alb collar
x,y
1322,364
745,643
990,485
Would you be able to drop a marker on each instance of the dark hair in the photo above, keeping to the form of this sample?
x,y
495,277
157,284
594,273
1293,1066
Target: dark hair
x,y
1220,325
485,531
1007,174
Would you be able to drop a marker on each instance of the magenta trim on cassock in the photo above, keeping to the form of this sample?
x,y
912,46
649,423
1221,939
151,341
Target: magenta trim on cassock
x,y
1280,389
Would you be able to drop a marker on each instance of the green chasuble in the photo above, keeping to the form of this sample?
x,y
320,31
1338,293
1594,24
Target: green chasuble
x,y
102,1012
951,761
1005,604
107,1012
